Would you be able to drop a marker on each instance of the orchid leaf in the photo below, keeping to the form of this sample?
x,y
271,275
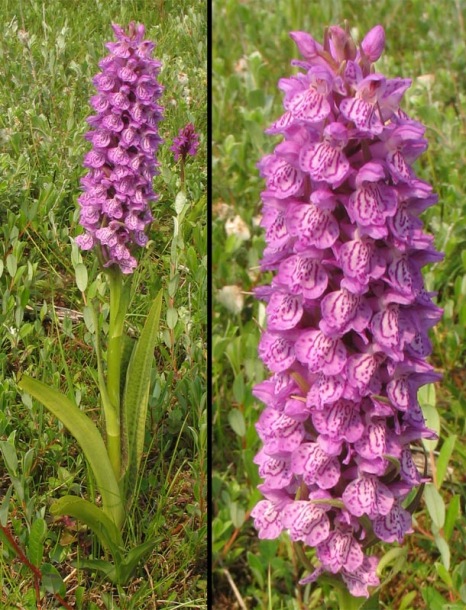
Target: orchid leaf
x,y
127,347
136,395
128,344
89,438
94,517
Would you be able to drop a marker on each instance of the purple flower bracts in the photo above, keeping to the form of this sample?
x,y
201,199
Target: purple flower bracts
x,y
347,311
185,143
115,204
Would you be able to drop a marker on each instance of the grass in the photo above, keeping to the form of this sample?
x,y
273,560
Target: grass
x,y
48,56
251,51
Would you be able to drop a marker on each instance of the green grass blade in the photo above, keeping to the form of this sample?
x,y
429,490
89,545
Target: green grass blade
x,y
94,517
89,438
136,396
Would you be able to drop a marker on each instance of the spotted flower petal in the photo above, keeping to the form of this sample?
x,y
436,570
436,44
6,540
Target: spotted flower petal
x,y
276,352
309,106
306,521
315,465
341,420
359,263
284,311
342,311
283,179
320,353
267,520
275,471
362,373
325,162
281,434
394,525
367,495
303,275
311,225
325,390
359,580
370,205
373,443
340,550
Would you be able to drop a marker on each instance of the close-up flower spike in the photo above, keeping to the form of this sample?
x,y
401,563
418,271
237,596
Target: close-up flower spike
x,y
347,310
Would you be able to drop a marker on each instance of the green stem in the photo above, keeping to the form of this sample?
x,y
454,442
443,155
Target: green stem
x,y
119,297
110,415
299,550
114,341
182,178
346,601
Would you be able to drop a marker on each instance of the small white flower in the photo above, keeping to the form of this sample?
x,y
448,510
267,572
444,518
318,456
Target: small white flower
x,y
183,78
232,298
222,210
425,80
237,226
241,65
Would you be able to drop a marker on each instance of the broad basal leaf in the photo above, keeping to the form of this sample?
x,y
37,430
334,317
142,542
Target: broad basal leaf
x,y
89,438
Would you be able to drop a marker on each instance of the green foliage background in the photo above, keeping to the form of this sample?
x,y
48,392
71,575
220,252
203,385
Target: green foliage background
x,y
49,51
251,51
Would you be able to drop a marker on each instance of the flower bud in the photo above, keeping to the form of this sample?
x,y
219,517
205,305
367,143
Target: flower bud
x,y
373,43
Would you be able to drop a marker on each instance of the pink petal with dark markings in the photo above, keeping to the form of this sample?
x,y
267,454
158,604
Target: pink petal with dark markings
x,y
309,106
321,353
276,352
312,226
284,311
367,495
394,525
324,162
304,276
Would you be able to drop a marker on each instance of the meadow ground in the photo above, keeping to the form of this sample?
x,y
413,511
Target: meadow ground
x,y
251,51
49,53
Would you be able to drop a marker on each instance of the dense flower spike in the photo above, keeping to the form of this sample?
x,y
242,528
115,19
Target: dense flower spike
x,y
186,142
115,204
347,311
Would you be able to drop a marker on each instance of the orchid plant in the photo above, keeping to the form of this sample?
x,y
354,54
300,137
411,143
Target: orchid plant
x,y
186,143
115,213
347,314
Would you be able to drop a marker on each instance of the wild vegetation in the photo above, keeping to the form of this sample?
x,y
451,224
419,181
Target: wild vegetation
x,y
49,54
